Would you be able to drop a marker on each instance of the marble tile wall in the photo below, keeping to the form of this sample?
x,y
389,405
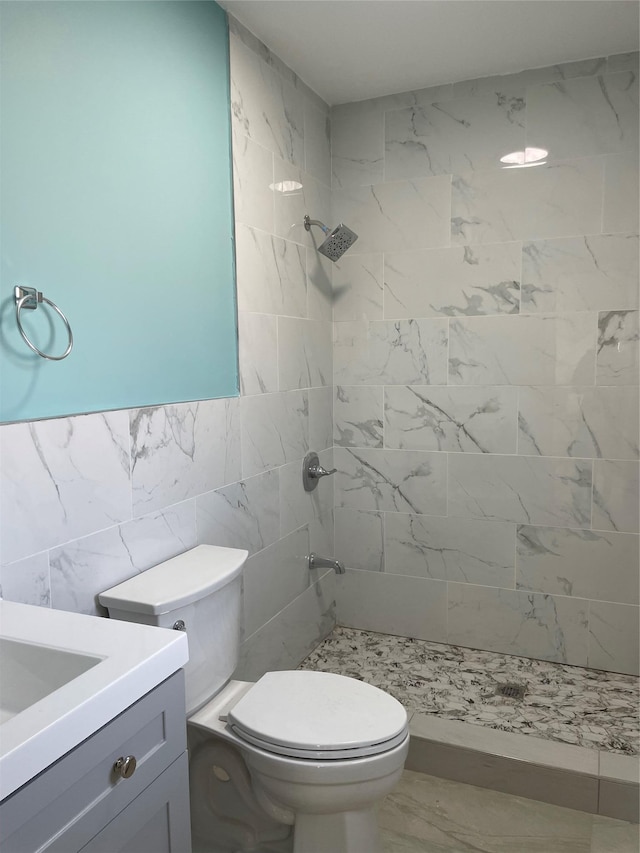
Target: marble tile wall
x,y
485,328
88,501
486,364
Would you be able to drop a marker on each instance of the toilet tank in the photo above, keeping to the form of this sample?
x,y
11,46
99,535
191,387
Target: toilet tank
x,y
202,589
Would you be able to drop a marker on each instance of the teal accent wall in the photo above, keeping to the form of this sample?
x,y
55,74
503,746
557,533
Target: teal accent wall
x,y
116,203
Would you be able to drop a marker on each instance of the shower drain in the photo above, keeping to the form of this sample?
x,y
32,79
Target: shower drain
x,y
511,690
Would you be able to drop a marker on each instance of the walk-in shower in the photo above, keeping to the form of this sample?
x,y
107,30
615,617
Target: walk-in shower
x,y
337,241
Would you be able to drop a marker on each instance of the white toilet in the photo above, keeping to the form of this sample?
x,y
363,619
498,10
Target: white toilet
x,y
311,750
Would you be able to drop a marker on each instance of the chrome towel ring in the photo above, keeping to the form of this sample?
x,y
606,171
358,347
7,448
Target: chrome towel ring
x,y
29,297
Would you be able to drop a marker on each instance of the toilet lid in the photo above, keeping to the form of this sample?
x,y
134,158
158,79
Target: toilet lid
x,y
314,713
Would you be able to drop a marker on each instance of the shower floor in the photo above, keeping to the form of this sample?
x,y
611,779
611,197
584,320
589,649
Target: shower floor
x,y
589,708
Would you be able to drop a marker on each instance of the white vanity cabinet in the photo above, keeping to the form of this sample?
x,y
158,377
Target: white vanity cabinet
x,y
81,802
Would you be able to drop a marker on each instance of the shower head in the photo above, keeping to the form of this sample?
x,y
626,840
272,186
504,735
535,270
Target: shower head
x,y
337,241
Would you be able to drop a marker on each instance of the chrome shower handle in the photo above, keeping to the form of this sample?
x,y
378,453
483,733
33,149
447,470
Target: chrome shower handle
x,y
312,471
316,471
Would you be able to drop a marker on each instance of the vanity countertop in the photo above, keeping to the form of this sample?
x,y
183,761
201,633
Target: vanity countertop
x,y
65,675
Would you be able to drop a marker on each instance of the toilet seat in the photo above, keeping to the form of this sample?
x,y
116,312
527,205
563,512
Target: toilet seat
x,y
322,755
318,716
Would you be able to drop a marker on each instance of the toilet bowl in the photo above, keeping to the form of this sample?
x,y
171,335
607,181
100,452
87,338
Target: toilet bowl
x,y
321,750
312,751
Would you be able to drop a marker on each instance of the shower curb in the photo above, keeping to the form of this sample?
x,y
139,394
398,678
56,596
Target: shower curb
x,y
575,777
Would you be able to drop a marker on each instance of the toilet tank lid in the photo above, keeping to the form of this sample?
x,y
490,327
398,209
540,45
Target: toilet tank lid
x,y
177,582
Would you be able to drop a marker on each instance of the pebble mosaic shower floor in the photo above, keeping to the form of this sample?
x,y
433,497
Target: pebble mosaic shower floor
x,y
594,709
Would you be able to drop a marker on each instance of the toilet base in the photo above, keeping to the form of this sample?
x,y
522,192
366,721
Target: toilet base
x,y
348,832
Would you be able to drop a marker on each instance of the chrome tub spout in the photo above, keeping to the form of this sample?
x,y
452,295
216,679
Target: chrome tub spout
x,y
316,562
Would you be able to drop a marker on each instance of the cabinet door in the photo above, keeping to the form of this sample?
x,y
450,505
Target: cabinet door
x,y
64,807
157,821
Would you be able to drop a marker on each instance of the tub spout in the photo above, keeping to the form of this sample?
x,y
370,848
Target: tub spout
x,y
316,562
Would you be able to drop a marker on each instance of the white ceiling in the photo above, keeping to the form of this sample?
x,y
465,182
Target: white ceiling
x,y
349,50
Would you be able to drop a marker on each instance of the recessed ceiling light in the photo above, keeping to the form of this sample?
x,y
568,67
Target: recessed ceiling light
x,y
522,159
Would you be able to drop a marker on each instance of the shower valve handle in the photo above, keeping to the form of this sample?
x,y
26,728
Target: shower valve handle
x,y
316,471
312,471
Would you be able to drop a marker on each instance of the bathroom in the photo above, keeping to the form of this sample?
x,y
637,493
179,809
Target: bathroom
x,y
337,359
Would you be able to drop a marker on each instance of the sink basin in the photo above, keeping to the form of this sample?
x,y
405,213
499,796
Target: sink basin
x,y
65,675
32,672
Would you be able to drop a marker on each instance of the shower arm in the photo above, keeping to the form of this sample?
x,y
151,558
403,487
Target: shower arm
x,y
309,222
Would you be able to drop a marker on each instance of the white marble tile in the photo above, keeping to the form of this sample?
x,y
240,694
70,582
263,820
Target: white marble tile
x,y
515,85
253,200
359,539
27,581
529,749
271,274
518,622
618,348
319,286
619,768
454,281
358,413
614,836
412,98
273,578
242,515
275,430
82,569
357,147
621,178
580,421
397,216
392,480
310,197
525,489
376,601
401,352
273,61
358,287
623,62
427,814
62,479
582,563
291,634
615,495
304,353
479,420
503,88
584,116
320,418
258,353
523,350
265,106
317,143
462,133
613,636
466,550
556,200
180,451
593,273
299,507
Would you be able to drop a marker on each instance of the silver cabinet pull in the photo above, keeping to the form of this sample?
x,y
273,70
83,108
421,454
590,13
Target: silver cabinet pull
x,y
125,766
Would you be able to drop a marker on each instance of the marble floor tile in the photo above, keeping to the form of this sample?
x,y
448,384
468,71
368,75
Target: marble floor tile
x,y
568,704
433,815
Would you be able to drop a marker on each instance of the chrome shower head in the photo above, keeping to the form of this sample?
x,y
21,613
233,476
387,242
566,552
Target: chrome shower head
x,y
337,241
